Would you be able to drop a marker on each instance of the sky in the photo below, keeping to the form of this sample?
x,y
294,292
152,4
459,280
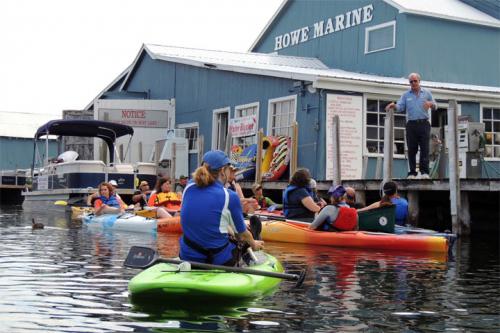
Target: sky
x,y
59,54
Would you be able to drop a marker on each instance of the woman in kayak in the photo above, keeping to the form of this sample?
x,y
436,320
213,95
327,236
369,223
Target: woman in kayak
x,y
338,216
210,212
107,202
164,199
298,202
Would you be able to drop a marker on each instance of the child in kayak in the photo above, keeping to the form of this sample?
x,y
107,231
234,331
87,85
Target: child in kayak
x,y
208,214
338,216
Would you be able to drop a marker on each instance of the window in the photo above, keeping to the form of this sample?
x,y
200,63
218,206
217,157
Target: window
x,y
380,37
220,122
191,135
243,111
375,118
281,115
491,120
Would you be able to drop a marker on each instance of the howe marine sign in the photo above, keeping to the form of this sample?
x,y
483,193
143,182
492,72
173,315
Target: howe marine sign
x,y
325,27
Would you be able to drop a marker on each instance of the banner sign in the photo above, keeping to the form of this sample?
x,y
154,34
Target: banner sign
x,y
243,126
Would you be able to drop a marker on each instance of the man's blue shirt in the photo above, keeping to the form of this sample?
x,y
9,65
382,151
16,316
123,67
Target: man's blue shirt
x,y
414,105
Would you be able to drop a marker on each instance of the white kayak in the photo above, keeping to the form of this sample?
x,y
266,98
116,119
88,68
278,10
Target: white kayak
x,y
125,222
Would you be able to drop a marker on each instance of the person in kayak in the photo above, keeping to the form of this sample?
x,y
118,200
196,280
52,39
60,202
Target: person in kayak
x,y
263,201
298,202
141,196
338,216
108,202
165,201
210,212
391,197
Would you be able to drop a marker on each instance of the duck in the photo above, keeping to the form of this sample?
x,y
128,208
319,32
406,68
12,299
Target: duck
x,y
36,225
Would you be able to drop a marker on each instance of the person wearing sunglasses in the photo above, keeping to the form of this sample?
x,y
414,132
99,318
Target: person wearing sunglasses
x,y
417,102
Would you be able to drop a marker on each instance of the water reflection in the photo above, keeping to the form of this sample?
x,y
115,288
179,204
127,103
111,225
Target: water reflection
x,y
65,278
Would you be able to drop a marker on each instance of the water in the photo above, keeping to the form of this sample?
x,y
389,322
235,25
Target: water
x,y
66,278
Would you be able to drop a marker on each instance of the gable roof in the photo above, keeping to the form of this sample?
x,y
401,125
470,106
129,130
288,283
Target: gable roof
x,y
250,63
454,10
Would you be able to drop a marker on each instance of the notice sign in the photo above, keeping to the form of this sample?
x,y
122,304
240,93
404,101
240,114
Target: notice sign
x,y
350,111
135,118
243,126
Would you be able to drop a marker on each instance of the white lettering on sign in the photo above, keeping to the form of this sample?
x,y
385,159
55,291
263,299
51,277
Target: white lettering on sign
x,y
338,23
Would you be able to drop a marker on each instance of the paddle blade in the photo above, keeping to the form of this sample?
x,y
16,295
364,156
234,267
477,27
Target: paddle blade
x,y
301,278
140,257
60,203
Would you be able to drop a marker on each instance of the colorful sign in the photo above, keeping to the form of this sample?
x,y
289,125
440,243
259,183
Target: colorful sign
x,y
350,111
243,126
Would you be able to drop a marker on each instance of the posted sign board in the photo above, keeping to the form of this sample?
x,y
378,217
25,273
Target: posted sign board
x,y
350,111
243,126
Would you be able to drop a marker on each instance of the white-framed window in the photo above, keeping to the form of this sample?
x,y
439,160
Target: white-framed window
x,y
281,115
380,37
192,130
490,116
220,125
374,127
251,109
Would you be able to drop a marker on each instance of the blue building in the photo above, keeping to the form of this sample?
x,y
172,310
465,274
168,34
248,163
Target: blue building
x,y
315,60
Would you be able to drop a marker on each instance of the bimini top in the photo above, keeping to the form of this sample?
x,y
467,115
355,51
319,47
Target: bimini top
x,y
87,128
105,130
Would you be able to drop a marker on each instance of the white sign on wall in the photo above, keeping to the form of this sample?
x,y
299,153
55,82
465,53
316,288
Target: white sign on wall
x,y
243,126
350,112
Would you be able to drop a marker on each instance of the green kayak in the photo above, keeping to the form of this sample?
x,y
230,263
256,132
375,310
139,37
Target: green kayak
x,y
172,281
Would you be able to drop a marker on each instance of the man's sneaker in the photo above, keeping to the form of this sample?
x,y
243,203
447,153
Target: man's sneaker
x,y
411,177
424,176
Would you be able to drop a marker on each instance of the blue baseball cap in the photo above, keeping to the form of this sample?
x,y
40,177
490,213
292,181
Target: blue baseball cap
x,y
216,159
337,191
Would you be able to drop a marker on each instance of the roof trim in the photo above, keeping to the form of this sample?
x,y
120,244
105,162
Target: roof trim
x,y
268,25
404,10
118,78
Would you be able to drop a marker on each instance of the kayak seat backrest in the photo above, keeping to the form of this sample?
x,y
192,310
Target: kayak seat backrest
x,y
380,219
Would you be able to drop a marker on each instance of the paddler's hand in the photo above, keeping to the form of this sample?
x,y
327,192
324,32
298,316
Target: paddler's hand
x,y
258,245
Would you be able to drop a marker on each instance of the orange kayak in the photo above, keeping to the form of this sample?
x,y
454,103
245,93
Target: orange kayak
x,y
298,232
170,224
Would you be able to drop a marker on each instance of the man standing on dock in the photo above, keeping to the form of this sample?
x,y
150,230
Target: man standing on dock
x,y
417,102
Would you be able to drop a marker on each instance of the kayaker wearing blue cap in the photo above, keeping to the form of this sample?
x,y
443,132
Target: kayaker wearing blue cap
x,y
208,214
338,216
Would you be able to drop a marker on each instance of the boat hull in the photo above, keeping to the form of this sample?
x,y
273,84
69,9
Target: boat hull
x,y
164,281
296,232
123,222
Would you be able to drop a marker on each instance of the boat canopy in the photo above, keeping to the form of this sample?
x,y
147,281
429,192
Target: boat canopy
x,y
105,130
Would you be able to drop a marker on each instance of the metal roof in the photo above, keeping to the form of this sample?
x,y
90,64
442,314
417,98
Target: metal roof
x,y
455,10
297,68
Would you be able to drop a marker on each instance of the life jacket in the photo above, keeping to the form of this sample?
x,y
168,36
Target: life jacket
x,y
286,204
163,199
112,201
347,220
262,202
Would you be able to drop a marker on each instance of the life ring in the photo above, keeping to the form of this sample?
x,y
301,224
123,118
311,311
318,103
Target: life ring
x,y
280,159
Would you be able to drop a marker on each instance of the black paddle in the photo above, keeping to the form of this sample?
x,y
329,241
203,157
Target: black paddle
x,y
144,257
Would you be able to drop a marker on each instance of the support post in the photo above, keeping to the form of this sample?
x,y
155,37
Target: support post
x,y
172,166
413,208
465,213
258,162
453,167
295,145
388,145
337,171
